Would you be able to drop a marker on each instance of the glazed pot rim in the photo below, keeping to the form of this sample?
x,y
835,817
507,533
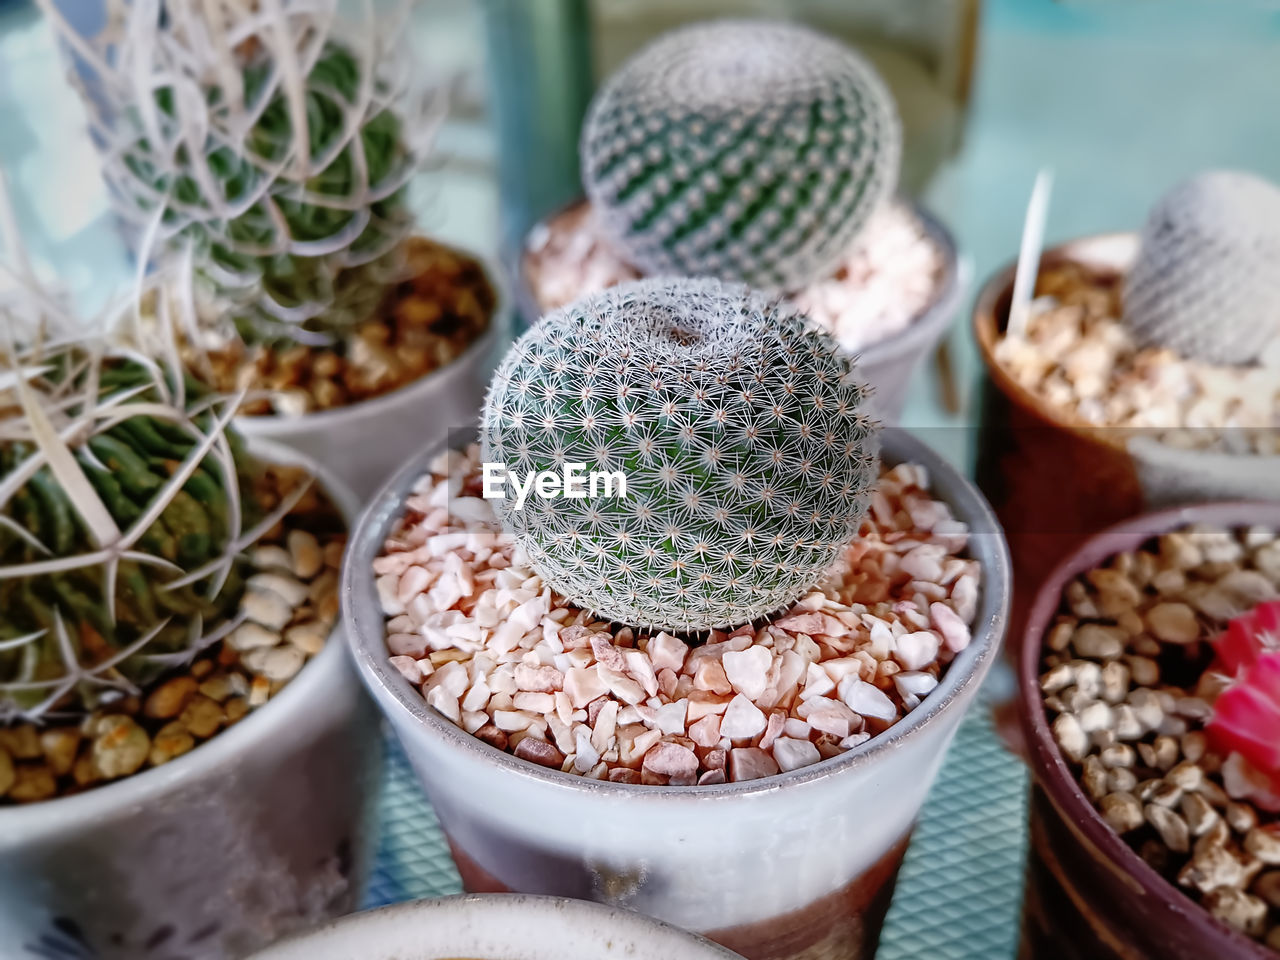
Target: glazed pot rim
x,y
19,823
272,425
498,909
365,630
985,328
925,326
1048,766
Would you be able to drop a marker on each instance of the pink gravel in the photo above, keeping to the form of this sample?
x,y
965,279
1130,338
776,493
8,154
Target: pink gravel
x,y
494,651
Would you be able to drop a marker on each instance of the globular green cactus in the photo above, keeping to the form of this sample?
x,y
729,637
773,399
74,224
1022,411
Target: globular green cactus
x,y
275,143
126,507
1206,283
741,434
751,151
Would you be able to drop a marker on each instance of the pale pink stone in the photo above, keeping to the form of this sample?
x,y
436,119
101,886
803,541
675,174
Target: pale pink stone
x,y
671,760
412,582
772,730
842,667
955,632
791,754
605,726
640,667
742,719
711,778
703,704
796,728
478,696
750,763
827,719
444,703
817,682
706,732
917,650
584,684
964,594
607,654
667,653
632,746
669,683
407,645
453,677
866,699
544,679
671,717
622,687
747,670
511,720
814,624
408,668
534,702
710,676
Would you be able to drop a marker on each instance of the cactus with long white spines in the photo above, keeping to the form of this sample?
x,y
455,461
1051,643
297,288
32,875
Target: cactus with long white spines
x,y
126,510
747,150
1206,283
741,433
274,139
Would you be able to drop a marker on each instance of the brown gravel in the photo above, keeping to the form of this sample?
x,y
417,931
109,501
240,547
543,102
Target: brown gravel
x,y
1128,690
1078,356
506,659
426,323
220,687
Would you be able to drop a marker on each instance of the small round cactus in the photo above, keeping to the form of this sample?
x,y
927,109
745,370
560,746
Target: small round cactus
x,y
122,539
741,433
1206,283
751,151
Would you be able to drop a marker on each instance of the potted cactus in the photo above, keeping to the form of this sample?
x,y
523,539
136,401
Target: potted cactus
x,y
1155,802
176,724
273,147
764,153
1145,375
737,630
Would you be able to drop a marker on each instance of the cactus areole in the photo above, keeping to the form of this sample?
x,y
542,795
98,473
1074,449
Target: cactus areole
x,y
751,151
742,435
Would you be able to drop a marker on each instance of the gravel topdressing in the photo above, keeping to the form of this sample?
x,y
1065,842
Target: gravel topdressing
x,y
506,659
1129,686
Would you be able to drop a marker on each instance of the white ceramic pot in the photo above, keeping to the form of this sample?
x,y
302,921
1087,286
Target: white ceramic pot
x,y
264,829
799,865
363,444
889,365
497,928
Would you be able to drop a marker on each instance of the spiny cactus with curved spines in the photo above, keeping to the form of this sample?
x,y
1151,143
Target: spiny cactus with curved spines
x,y
741,432
126,509
747,150
1206,283
272,139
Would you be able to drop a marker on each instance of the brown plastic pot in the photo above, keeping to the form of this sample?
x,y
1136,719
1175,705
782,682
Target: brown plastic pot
x,y
1088,895
1054,481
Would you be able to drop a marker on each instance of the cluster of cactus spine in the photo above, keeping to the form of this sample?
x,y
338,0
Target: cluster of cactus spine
x,y
751,151
1205,283
127,506
741,433
271,141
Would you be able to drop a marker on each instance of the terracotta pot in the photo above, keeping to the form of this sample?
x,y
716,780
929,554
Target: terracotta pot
x,y
799,865
1088,895
531,928
364,443
888,365
262,830
1054,481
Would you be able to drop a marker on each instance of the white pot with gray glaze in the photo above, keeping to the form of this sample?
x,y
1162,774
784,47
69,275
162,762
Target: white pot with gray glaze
x,y
799,865
264,829
497,928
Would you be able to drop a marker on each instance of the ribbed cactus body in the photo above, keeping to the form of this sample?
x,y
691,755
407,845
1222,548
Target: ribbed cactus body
x,y
1206,283
741,433
751,151
83,617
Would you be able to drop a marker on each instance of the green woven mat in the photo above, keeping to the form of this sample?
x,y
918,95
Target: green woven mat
x,y
957,896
